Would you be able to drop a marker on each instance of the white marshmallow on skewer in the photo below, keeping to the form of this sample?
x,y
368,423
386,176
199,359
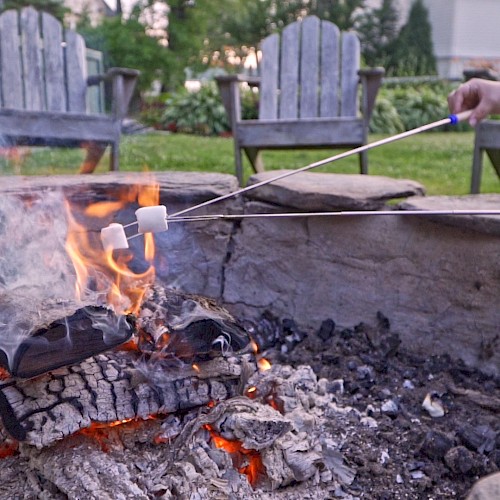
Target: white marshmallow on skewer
x,y
113,237
152,219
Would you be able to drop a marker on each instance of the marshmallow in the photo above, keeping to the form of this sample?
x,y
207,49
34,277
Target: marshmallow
x,y
113,237
152,219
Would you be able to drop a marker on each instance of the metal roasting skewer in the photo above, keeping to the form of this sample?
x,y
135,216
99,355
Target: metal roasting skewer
x,y
452,119
351,213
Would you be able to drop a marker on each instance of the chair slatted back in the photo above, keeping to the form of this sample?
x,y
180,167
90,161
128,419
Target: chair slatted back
x,y
311,71
42,66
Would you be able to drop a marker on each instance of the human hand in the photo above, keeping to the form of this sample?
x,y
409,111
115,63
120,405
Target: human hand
x,y
482,96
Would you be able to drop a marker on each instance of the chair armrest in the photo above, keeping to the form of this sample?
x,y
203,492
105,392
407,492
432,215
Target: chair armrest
x,y
123,82
230,94
253,81
371,79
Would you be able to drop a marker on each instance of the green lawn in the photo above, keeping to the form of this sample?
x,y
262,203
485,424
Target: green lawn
x,y
440,161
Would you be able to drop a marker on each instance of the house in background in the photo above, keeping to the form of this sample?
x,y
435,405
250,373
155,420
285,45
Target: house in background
x,y
95,9
465,33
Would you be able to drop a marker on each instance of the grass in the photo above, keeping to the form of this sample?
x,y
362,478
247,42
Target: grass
x,y
440,161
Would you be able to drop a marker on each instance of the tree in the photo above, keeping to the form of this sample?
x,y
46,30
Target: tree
x,y
342,12
414,52
54,7
378,30
124,43
244,23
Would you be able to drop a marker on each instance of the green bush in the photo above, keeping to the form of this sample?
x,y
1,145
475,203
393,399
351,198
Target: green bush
x,y
408,106
198,112
419,105
385,118
249,105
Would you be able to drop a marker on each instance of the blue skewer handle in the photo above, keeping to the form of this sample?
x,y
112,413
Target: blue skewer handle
x,y
460,117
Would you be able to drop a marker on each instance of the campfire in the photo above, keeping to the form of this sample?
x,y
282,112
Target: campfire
x,y
117,385
136,358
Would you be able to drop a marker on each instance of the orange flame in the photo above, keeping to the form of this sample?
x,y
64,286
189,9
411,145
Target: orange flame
x,y
101,432
248,462
263,364
106,272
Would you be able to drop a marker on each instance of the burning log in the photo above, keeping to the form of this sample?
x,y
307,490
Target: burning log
x,y
89,331
109,388
184,357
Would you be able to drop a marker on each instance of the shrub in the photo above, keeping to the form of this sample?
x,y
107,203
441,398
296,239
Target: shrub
x,y
198,112
419,105
385,118
408,106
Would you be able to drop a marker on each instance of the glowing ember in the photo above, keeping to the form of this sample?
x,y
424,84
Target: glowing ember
x,y
255,347
102,432
105,272
8,448
263,364
4,374
248,462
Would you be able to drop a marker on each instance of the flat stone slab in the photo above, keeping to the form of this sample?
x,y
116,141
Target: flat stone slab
x,y
489,224
193,186
309,191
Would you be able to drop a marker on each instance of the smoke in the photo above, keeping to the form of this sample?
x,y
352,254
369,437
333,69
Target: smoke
x,y
37,279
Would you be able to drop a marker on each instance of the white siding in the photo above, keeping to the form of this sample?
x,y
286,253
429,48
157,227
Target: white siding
x,y
96,10
466,34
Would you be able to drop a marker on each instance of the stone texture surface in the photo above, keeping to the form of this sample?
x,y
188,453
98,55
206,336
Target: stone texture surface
x,y
484,223
487,488
438,284
321,192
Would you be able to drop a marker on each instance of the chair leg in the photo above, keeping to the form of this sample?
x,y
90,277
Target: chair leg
x,y
95,151
238,164
255,157
363,163
114,157
477,168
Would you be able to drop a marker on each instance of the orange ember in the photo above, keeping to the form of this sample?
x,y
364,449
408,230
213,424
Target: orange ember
x,y
4,374
102,432
8,448
254,345
108,273
263,364
248,462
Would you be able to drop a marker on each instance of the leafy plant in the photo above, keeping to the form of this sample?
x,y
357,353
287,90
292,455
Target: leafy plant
x,y
385,118
404,107
417,106
198,112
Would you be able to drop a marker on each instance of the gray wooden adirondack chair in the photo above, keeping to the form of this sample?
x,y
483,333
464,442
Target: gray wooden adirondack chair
x,y
308,94
43,87
487,137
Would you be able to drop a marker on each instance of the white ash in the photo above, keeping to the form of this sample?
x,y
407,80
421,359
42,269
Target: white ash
x,y
300,462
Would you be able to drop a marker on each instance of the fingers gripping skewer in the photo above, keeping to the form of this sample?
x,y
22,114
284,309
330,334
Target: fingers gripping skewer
x,y
154,219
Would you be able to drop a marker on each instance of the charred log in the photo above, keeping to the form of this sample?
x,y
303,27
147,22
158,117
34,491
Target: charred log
x,y
89,331
110,388
177,325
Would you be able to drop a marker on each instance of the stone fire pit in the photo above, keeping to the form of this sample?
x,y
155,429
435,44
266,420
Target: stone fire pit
x,y
362,318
